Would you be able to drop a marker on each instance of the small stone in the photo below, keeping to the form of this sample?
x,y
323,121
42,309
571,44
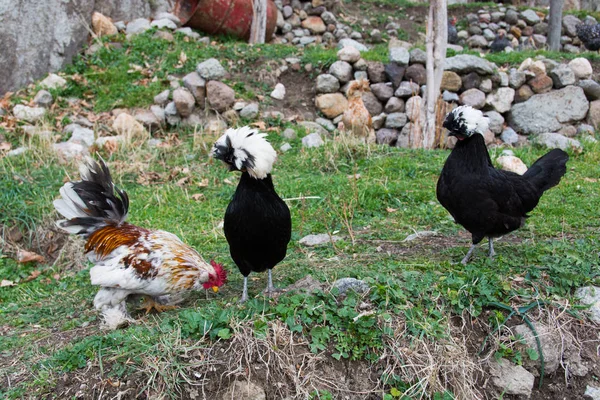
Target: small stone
x,y
316,240
393,105
43,98
326,123
127,126
279,92
197,87
562,76
215,127
16,152
169,16
383,91
386,136
244,390
162,98
396,120
345,284
471,81
450,97
187,31
416,73
312,127
211,69
591,89
53,81
501,100
159,113
557,141
28,114
581,68
327,83
184,102
165,35
451,81
394,73
496,121
509,136
193,121
418,56
351,42
285,147
569,25
477,41
341,70
348,54
516,78
523,94
81,135
592,392
331,104
289,134
399,55
510,378
102,25
530,17
314,24
568,131
590,296
371,103
67,151
512,164
585,129
486,85
164,23
473,97
541,84
250,111
137,26
407,89
312,140
220,96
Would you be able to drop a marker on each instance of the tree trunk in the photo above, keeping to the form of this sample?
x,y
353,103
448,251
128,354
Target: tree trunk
x,y
555,25
258,31
436,41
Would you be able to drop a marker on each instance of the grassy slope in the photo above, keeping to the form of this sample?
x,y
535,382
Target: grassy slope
x,y
554,253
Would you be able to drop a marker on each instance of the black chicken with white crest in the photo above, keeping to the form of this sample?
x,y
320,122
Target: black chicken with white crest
x,y
485,201
589,36
257,224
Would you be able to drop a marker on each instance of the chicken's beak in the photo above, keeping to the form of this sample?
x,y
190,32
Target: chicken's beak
x,y
215,289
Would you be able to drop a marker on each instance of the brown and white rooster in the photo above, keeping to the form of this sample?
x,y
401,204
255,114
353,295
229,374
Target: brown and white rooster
x,y
128,259
357,119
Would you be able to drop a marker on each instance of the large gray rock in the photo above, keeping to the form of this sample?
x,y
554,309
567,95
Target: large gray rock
x,y
473,97
351,42
464,63
39,37
184,102
399,55
312,140
556,141
244,390
396,120
530,17
569,25
516,78
386,136
510,378
496,121
548,112
383,91
28,114
345,284
318,239
550,341
127,10
327,83
220,96
138,25
196,85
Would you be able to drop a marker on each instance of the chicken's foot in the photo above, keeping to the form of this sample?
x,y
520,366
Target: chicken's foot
x,y
492,252
245,291
151,303
270,288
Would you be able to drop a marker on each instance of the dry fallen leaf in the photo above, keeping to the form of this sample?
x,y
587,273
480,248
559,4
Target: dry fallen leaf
x,y
33,275
227,181
203,183
391,210
592,180
183,181
5,146
6,283
24,256
260,125
198,196
182,57
355,176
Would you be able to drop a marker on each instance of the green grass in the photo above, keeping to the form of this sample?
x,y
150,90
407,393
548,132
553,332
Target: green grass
x,y
50,329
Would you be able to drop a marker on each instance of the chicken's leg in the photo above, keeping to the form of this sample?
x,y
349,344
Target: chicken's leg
x,y
468,256
151,303
270,288
492,252
245,292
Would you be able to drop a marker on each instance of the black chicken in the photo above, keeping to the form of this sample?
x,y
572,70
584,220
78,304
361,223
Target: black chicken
x,y
257,224
500,43
589,36
452,33
484,200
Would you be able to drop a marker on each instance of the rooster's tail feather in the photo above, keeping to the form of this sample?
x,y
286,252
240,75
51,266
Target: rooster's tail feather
x,y
547,171
93,202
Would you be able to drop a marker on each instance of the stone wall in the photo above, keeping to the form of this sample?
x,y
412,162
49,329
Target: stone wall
x,y
37,37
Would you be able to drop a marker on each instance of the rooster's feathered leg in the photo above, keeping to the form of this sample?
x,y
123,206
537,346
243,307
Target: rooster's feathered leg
x,y
270,288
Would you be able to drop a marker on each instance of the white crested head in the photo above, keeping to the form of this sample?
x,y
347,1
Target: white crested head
x,y
245,149
466,121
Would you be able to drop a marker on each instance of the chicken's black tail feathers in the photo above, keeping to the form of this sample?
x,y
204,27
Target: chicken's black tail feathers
x,y
547,171
93,202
